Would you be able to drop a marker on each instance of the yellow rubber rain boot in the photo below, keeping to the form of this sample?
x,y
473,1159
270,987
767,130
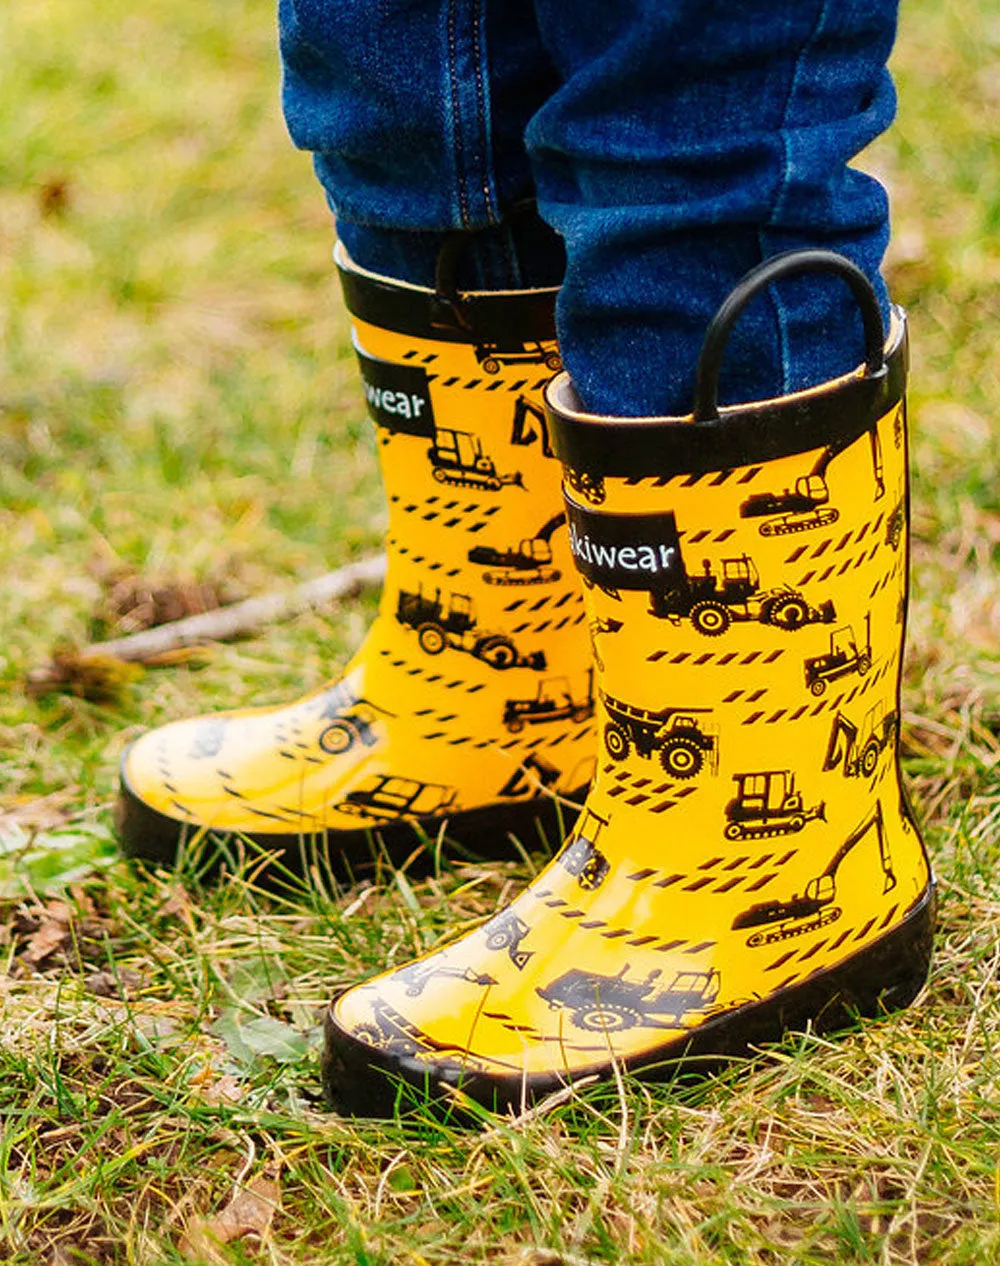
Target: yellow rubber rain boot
x,y
746,860
469,707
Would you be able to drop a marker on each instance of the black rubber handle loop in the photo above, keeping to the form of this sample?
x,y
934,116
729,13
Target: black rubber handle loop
x,y
791,263
449,305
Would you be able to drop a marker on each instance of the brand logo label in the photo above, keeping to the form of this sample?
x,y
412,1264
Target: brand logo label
x,y
625,551
398,396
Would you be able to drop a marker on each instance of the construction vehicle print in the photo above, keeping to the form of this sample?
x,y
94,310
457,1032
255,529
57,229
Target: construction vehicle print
x,y
768,804
844,656
440,625
458,459
806,506
390,1030
527,563
611,1004
676,733
387,796
580,856
356,724
506,932
602,624
533,774
513,352
416,975
814,908
587,485
856,749
894,526
553,702
522,433
714,602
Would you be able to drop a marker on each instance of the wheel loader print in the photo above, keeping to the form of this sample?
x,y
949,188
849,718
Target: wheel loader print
x,y
814,908
415,976
527,563
611,1004
679,736
441,622
714,601
768,804
354,724
553,702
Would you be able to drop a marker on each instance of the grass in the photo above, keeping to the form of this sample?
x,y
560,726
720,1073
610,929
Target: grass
x,y
179,406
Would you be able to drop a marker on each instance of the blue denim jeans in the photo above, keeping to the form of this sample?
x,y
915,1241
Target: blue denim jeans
x,y
669,145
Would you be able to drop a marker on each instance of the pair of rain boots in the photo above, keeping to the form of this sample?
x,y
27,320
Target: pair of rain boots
x,y
745,861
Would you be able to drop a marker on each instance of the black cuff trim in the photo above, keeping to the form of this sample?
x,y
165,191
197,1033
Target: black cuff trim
x,y
743,435
503,321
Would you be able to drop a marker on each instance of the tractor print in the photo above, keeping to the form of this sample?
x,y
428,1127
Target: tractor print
x,y
611,1004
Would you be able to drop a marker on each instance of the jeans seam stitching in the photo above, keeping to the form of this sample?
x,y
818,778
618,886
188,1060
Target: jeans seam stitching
x,y
456,118
781,191
489,200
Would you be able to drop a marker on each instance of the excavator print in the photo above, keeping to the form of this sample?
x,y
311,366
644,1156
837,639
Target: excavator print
x,y
553,702
611,1004
527,563
768,804
417,974
441,623
713,602
457,458
806,506
856,749
523,433
814,908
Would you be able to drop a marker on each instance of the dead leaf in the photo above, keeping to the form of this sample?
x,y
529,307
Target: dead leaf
x,y
50,935
250,1212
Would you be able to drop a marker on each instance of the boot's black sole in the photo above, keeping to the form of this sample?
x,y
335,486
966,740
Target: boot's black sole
x,y
886,975
487,832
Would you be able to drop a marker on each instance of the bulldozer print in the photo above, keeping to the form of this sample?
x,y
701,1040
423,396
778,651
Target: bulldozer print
x,y
457,458
506,932
388,797
441,623
814,908
355,724
856,749
611,1004
514,352
806,506
846,655
554,701
683,742
527,563
768,804
581,857
714,602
